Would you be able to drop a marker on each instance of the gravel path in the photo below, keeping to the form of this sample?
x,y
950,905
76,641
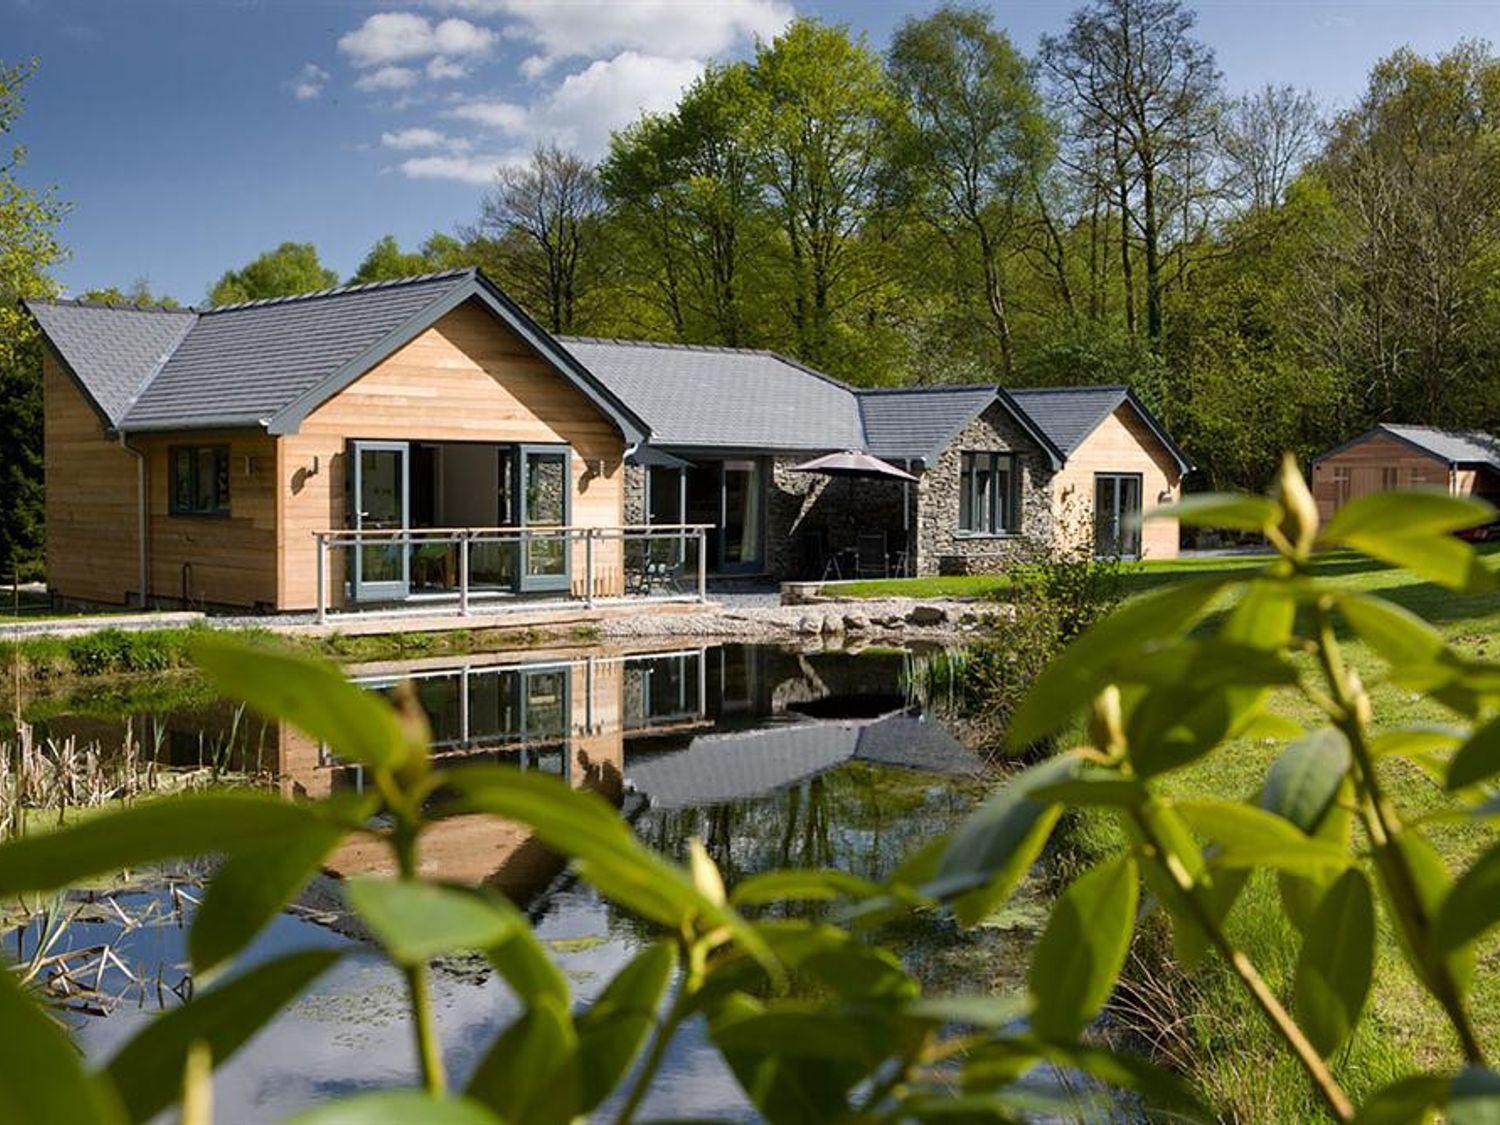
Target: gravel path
x,y
883,618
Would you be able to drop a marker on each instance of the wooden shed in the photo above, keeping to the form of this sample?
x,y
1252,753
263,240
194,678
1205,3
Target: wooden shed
x,y
1391,456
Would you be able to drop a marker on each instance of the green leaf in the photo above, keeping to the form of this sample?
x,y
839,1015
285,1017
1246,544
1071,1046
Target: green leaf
x,y
1417,740
1397,634
801,885
782,1084
397,1107
1208,665
612,1031
1173,727
169,828
530,1071
251,888
1096,789
1474,1097
995,846
310,694
1072,679
1304,780
1411,512
1414,530
805,1033
579,823
1234,510
1189,940
415,921
1160,1089
1337,963
1478,759
147,1071
522,961
1433,881
1082,950
1471,907
41,1073
1411,1101
1252,837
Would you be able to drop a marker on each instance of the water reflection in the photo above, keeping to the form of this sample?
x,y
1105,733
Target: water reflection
x,y
773,758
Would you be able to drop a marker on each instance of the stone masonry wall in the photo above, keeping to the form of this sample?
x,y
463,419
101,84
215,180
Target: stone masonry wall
x,y
940,549
799,503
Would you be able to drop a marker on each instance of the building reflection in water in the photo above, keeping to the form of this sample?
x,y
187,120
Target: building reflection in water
x,y
694,728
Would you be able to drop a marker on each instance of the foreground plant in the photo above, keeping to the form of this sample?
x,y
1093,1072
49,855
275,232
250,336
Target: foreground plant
x,y
815,1020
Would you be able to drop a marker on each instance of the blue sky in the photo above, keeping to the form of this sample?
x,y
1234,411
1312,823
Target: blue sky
x,y
189,135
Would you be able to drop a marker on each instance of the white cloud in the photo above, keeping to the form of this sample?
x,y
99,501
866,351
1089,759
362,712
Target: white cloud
x,y
587,105
671,28
388,37
466,169
498,117
405,140
387,78
441,69
309,82
609,94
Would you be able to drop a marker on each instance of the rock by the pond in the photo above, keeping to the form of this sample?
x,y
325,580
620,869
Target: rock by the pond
x,y
856,623
833,623
809,626
928,615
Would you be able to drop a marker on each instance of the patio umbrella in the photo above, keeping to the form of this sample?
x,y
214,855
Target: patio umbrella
x,y
852,463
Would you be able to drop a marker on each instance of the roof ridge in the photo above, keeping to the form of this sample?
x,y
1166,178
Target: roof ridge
x,y
666,345
341,290
1070,389
928,388
115,306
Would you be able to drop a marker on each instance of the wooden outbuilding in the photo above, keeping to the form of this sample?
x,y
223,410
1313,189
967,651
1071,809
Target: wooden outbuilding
x,y
1391,456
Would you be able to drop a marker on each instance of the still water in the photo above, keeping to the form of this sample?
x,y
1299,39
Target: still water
x,y
772,758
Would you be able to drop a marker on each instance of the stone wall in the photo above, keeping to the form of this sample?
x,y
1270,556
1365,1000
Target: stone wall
x,y
940,549
802,506
635,495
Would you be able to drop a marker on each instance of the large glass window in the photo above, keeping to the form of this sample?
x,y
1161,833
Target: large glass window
x,y
200,480
988,497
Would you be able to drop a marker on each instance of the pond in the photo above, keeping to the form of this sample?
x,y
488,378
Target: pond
x,y
771,757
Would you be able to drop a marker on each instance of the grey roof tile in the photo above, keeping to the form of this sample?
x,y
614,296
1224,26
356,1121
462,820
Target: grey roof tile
x,y
243,363
1070,414
915,423
724,398
112,350
1458,447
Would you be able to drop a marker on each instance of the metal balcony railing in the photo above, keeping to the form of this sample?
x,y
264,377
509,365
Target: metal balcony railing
x,y
379,566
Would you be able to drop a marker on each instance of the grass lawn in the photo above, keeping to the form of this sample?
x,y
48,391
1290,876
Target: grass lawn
x,y
1232,1054
1135,576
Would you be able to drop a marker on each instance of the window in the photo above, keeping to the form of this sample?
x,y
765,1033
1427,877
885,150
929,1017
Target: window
x,y
988,500
1390,477
200,480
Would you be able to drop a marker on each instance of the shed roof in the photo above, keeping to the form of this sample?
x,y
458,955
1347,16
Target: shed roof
x,y
1456,447
696,397
915,423
1070,414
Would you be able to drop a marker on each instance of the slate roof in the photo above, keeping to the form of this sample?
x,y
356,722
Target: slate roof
x,y
241,364
1457,447
267,363
915,423
724,398
119,348
1070,414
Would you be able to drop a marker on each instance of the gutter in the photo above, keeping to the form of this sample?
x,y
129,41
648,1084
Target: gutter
x,y
143,558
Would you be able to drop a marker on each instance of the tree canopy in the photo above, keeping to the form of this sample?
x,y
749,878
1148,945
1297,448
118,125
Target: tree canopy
x,y
291,268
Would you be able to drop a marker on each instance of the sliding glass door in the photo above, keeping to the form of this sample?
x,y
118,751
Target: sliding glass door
x,y
382,565
1117,515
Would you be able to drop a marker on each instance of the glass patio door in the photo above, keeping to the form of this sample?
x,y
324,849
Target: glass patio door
x,y
1117,515
382,502
545,484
